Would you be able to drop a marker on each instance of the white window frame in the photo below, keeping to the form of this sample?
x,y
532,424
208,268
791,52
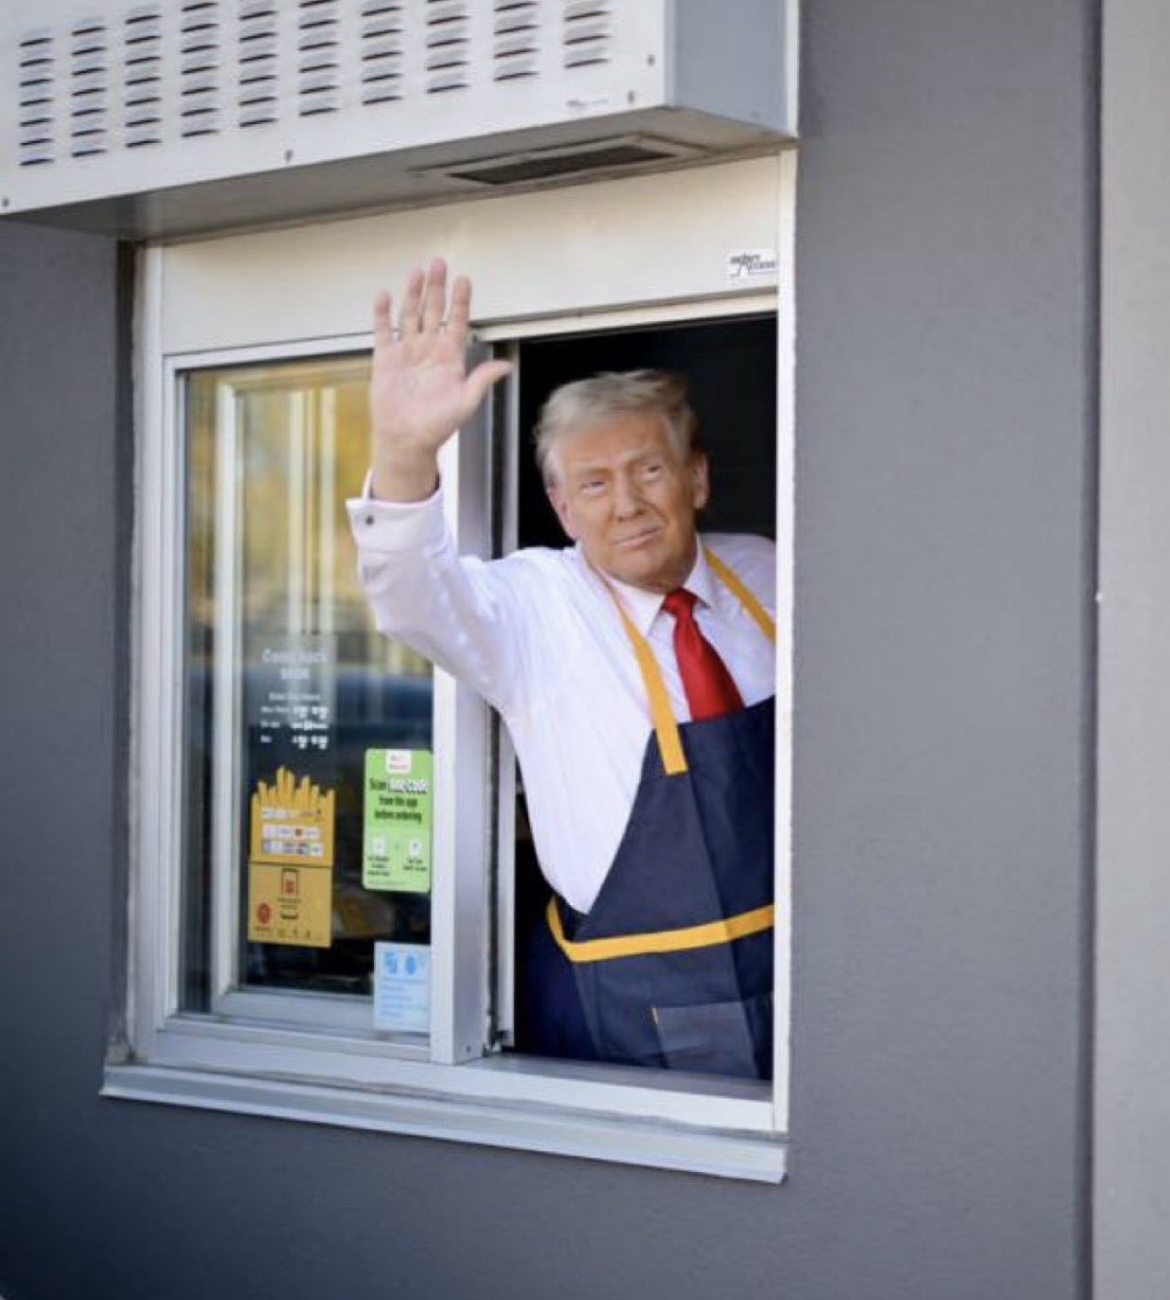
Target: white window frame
x,y
335,1073
459,721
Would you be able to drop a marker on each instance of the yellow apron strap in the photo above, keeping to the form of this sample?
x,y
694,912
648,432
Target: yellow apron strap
x,y
732,581
657,941
665,724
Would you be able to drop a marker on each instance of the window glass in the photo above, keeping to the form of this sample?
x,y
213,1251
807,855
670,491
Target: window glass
x,y
294,702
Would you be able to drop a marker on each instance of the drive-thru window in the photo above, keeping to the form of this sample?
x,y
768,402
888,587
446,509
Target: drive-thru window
x,y
330,866
333,870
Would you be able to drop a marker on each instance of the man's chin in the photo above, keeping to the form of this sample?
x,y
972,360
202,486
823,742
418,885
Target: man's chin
x,y
646,568
646,577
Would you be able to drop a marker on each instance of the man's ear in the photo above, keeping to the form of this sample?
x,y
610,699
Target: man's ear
x,y
560,503
700,480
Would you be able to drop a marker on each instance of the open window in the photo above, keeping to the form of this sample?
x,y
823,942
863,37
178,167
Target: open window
x,y
730,366
330,875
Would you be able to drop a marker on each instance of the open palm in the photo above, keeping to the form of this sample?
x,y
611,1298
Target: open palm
x,y
420,390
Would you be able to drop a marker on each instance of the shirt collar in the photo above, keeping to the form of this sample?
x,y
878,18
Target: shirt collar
x,y
643,606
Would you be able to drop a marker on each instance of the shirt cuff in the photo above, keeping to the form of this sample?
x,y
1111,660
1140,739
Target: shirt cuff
x,y
396,525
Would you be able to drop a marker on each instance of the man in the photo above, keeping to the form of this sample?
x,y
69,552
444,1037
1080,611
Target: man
x,y
635,672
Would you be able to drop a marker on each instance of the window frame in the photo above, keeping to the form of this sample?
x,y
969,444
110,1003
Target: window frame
x,y
460,722
333,1073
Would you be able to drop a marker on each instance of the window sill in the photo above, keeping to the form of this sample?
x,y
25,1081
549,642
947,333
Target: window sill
x,y
550,1129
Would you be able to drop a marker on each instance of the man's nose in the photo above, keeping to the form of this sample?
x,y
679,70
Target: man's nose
x,y
627,500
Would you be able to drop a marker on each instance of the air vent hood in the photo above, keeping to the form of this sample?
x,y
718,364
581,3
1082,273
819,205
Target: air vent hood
x,y
183,117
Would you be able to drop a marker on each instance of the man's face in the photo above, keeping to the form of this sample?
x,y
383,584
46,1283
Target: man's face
x,y
628,496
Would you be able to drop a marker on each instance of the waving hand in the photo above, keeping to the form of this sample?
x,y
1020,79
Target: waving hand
x,y
420,390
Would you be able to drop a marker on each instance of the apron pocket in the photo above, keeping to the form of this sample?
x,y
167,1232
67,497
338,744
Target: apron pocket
x,y
729,1038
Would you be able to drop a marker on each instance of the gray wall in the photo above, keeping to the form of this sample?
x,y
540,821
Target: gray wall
x,y
944,659
1132,1085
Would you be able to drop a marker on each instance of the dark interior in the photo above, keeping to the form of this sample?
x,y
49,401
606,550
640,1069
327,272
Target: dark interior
x,y
731,371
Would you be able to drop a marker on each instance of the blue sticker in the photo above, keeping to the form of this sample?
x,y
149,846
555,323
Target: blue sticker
x,y
402,987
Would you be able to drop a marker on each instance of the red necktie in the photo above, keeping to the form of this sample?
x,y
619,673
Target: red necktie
x,y
710,688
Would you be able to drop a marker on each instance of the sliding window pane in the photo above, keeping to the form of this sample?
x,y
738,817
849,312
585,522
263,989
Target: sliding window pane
x,y
302,847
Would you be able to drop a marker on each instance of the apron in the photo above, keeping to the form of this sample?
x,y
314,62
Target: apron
x,y
672,965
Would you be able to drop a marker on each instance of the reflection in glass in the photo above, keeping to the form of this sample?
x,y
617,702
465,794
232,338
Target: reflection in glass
x,y
287,686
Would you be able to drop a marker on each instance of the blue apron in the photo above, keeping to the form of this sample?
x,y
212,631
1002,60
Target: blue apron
x,y
672,965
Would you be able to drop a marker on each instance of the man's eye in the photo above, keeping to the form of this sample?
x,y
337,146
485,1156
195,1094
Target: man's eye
x,y
652,469
592,486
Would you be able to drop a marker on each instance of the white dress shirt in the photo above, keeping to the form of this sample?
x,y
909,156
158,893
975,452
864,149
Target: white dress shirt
x,y
537,634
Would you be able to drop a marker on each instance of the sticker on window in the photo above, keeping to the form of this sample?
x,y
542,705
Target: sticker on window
x,y
396,830
402,987
290,868
291,905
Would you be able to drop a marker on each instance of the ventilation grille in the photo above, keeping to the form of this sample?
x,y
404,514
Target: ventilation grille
x,y
448,45
381,51
142,114
516,39
256,76
36,74
588,32
575,160
199,68
89,89
167,69
318,72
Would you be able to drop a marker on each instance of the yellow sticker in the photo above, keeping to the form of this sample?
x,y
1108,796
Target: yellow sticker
x,y
290,875
292,822
292,905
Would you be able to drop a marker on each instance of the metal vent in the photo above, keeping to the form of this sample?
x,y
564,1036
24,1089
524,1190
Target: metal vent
x,y
588,32
318,76
516,46
381,51
89,89
142,77
256,72
447,45
609,156
199,41
158,118
35,79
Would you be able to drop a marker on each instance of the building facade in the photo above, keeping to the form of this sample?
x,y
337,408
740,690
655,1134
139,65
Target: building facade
x,y
972,1100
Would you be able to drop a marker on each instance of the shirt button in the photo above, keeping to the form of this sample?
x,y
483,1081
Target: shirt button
x,y
369,521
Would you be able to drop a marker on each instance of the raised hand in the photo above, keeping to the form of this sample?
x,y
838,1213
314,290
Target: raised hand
x,y
420,391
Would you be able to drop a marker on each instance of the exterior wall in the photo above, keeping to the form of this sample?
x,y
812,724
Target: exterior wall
x,y
944,671
1132,1086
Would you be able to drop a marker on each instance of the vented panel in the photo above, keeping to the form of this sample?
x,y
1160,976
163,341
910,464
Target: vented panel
x,y
152,118
142,102
448,46
257,85
36,77
89,89
318,73
516,39
381,51
191,68
546,164
199,68
588,32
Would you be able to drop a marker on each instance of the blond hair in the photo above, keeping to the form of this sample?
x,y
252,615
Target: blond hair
x,y
573,407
